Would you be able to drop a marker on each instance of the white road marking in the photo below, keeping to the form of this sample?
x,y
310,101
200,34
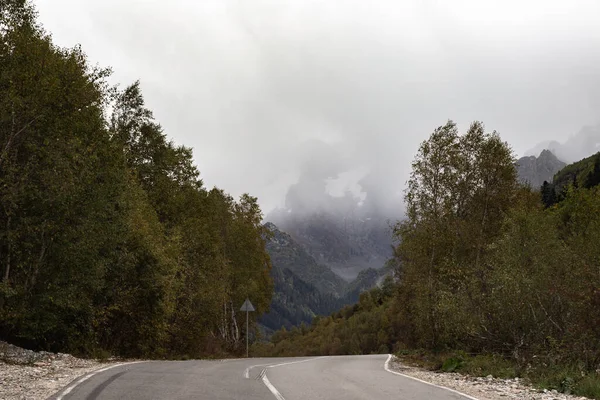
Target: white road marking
x,y
271,365
68,390
295,362
269,386
247,370
387,368
265,380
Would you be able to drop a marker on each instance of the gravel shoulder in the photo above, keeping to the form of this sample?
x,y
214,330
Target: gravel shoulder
x,y
29,375
487,388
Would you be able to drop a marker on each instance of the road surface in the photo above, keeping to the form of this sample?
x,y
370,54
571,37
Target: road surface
x,y
318,378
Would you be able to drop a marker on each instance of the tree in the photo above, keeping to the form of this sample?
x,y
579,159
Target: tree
x,y
108,240
58,186
593,178
548,193
459,191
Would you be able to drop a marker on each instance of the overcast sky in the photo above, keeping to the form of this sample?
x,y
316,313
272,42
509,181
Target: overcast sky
x,y
265,89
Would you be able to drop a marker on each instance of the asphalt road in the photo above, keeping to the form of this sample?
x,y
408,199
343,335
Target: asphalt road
x,y
344,377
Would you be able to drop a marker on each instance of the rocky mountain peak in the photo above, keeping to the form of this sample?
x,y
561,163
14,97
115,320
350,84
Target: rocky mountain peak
x,y
535,170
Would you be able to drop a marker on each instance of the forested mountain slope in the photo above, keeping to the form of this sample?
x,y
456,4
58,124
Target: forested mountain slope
x,y
285,252
305,289
295,301
584,173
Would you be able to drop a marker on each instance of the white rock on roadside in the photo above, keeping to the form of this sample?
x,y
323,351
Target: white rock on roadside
x,y
30,375
487,388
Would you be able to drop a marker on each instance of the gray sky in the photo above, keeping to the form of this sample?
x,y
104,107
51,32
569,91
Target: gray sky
x,y
265,89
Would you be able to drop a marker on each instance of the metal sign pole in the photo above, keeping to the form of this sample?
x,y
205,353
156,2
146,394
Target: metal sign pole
x,y
247,306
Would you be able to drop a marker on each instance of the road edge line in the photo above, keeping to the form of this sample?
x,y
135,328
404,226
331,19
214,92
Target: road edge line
x,y
386,366
65,391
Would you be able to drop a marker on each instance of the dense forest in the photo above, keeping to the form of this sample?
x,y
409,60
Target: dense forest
x,y
362,328
584,173
483,266
109,242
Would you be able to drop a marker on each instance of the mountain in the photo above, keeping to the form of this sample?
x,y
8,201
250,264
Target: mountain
x,y
296,301
304,288
366,280
285,252
535,170
345,242
580,145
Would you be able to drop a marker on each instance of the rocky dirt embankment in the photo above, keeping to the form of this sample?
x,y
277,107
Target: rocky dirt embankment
x,y
481,388
30,375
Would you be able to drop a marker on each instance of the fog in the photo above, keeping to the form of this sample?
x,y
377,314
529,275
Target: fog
x,y
289,100
580,145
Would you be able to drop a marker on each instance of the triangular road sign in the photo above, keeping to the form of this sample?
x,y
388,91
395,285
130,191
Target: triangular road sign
x,y
247,306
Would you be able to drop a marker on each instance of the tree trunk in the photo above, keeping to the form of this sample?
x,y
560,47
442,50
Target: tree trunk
x,y
235,332
223,328
6,277
432,306
36,268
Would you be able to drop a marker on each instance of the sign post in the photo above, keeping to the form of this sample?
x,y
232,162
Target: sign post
x,y
247,306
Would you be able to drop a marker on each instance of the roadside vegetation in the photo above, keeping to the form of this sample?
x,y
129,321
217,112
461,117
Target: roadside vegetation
x,y
490,279
109,242
111,245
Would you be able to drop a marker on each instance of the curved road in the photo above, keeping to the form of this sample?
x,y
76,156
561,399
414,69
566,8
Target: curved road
x,y
343,377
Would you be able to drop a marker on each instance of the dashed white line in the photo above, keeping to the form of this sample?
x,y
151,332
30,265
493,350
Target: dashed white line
x,y
388,369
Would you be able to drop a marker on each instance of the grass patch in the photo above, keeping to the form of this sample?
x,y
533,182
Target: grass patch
x,y
459,361
564,379
452,364
569,380
588,386
490,364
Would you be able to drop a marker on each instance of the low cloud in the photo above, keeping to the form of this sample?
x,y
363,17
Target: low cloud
x,y
276,95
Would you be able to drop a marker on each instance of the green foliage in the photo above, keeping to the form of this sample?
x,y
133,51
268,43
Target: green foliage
x,y
593,177
363,328
452,364
487,269
588,386
305,289
109,242
491,280
459,191
583,173
489,364
548,192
